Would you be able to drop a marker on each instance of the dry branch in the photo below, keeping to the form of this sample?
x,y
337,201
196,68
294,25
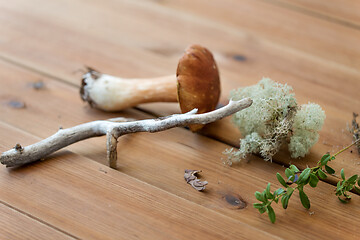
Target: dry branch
x,y
113,130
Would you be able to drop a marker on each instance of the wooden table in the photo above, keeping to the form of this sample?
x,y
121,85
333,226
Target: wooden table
x,y
311,45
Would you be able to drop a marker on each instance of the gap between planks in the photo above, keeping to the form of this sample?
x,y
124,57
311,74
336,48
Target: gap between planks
x,y
173,9
111,176
260,221
25,214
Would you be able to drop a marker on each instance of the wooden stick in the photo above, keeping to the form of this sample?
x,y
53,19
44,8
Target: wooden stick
x,y
113,129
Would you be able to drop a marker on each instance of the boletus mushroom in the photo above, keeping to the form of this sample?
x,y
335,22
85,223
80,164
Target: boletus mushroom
x,y
196,85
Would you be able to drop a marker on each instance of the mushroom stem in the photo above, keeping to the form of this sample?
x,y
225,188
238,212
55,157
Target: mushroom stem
x,y
113,130
111,93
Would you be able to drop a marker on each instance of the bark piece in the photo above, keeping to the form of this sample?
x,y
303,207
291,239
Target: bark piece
x,y
191,178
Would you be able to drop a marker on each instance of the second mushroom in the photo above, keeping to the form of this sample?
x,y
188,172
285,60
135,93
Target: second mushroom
x,y
195,85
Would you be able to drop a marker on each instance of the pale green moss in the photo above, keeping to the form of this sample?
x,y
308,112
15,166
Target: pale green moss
x,y
250,144
307,122
271,103
273,119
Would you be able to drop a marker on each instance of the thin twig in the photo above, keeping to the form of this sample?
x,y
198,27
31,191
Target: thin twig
x,y
113,130
347,147
356,130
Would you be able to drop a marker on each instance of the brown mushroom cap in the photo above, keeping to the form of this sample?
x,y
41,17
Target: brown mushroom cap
x,y
198,82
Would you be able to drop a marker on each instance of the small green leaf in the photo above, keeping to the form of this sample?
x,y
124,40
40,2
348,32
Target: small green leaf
x,y
352,179
262,210
278,191
329,169
338,185
359,182
288,173
258,205
304,175
268,193
281,180
259,196
313,180
304,199
325,159
342,174
294,169
307,181
289,191
271,214
346,200
285,201
348,197
268,188
340,188
264,196
321,174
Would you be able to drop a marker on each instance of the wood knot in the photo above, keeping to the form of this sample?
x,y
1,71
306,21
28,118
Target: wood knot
x,y
235,201
239,58
16,104
38,85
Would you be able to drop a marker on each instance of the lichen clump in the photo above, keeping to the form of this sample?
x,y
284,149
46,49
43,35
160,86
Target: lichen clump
x,y
273,119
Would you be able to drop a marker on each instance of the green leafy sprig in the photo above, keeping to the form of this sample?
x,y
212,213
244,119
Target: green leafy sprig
x,y
345,186
297,180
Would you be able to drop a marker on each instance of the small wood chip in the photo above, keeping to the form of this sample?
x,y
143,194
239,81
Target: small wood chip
x,y
191,179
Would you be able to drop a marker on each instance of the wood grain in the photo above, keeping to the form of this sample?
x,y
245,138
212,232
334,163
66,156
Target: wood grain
x,y
333,136
16,225
306,33
344,12
319,84
162,163
91,201
51,41
258,53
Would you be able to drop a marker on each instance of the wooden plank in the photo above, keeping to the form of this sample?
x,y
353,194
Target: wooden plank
x,y
309,34
262,58
344,12
91,201
333,79
326,77
16,225
162,164
56,62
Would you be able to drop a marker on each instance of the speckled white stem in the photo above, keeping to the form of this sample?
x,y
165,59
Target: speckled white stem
x,y
113,130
